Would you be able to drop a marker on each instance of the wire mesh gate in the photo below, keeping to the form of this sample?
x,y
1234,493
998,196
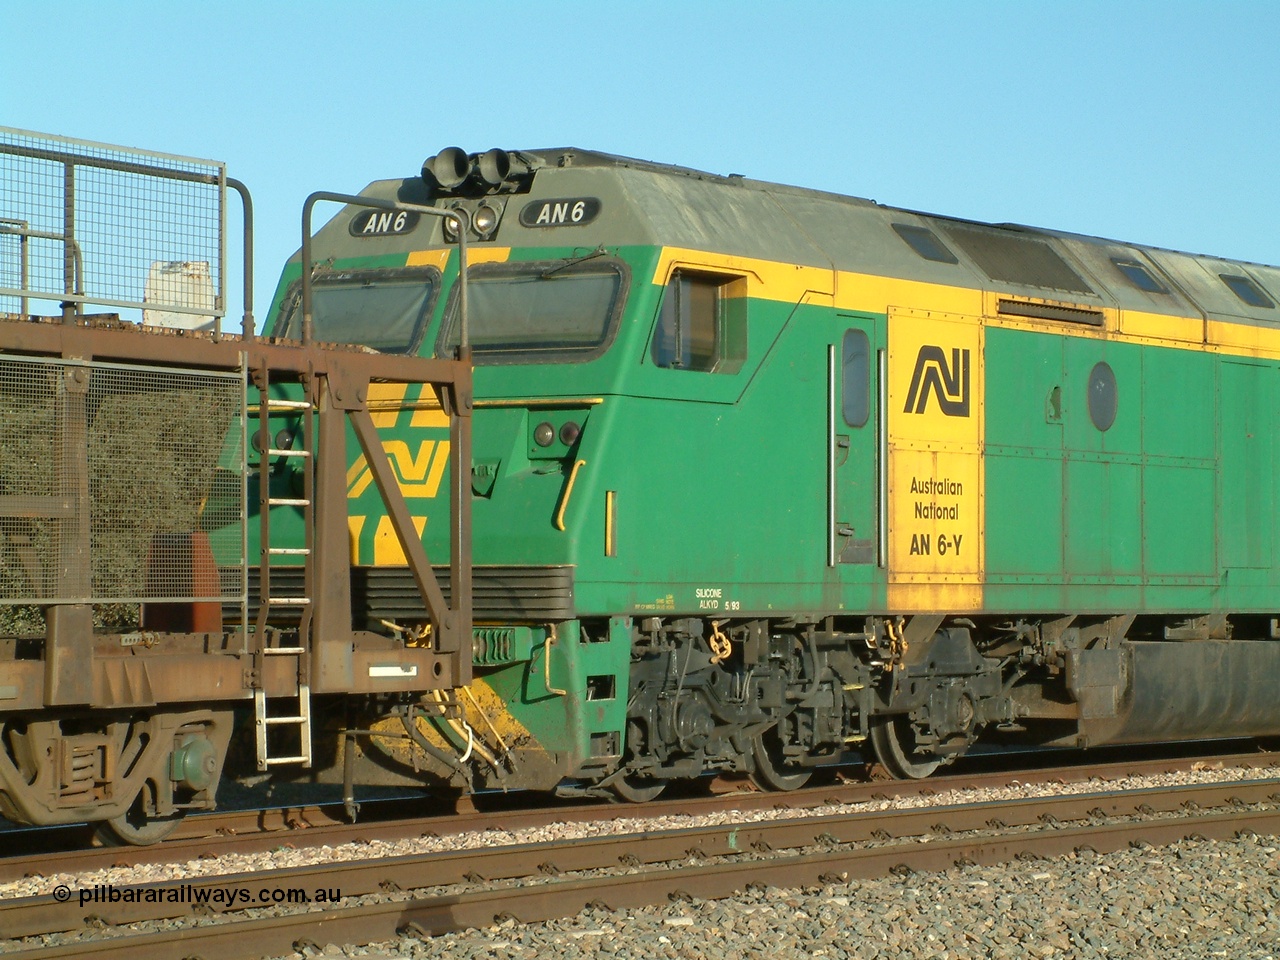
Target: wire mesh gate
x,y
86,223
120,485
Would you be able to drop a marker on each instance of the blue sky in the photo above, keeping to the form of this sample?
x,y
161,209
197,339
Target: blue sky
x,y
1151,122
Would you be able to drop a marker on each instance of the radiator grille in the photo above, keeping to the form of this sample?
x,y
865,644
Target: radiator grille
x,y
1050,311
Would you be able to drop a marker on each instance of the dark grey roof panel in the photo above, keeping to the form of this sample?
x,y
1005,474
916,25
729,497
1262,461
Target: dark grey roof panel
x,y
1011,257
1201,278
727,216
1105,262
860,238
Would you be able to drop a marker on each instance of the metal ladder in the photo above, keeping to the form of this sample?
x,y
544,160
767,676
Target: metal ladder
x,y
300,649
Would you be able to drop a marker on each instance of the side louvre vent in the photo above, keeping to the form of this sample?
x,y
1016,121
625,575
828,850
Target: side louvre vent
x,y
1007,257
537,594
1049,311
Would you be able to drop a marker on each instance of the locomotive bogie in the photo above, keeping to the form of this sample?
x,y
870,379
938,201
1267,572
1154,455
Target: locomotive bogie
x,y
134,767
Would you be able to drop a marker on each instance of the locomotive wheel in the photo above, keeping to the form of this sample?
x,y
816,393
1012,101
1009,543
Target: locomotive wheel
x,y
772,772
894,744
635,789
134,829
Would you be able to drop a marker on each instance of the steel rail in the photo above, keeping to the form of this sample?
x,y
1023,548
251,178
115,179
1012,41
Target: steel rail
x,y
245,831
886,828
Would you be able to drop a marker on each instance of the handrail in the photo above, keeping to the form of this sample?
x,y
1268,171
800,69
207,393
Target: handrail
x,y
74,155
21,228
568,491
459,217
247,201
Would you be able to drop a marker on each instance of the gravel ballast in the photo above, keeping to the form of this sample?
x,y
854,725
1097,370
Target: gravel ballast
x,y
1195,899
1191,899
289,855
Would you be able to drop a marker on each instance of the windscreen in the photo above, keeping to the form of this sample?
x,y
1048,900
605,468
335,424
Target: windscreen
x,y
539,312
385,310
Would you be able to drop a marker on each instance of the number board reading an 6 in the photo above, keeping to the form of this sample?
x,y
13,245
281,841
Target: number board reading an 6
x,y
563,212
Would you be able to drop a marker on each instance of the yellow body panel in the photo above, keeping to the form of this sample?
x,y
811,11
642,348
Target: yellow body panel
x,y
1159,326
475,254
935,451
767,279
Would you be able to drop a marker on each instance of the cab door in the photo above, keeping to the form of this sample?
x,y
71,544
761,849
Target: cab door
x,y
855,375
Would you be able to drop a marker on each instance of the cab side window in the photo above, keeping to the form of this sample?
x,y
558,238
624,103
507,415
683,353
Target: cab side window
x,y
702,324
856,400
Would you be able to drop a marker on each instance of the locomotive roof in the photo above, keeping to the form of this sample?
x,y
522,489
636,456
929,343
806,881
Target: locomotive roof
x,y
643,202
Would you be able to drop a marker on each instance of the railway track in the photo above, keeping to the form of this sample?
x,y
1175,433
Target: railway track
x,y
211,835
429,894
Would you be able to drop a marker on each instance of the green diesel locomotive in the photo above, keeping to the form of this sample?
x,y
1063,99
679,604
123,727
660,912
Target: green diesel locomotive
x,y
766,479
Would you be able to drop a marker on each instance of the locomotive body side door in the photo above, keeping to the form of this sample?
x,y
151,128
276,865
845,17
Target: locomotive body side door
x,y
934,400
855,375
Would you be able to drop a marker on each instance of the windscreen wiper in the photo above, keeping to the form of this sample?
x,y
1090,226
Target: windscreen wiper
x,y
599,251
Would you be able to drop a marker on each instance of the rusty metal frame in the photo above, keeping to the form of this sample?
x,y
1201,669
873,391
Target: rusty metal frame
x,y
348,392
82,674
337,381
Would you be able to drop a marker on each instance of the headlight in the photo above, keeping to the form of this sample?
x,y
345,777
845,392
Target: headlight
x,y
543,434
569,432
485,221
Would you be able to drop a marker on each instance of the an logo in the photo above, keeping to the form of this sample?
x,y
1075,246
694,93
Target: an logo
x,y
932,374
417,475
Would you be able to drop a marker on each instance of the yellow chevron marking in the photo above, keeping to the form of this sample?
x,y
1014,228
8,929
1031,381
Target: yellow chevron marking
x,y
417,475
359,476
409,469
354,470
388,400
385,402
437,469
355,527
427,410
387,551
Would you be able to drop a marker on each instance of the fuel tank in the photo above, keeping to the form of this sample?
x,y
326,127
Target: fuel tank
x,y
1144,691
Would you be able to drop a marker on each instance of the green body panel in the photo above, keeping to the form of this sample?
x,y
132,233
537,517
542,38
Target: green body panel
x,y
565,713
1135,516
